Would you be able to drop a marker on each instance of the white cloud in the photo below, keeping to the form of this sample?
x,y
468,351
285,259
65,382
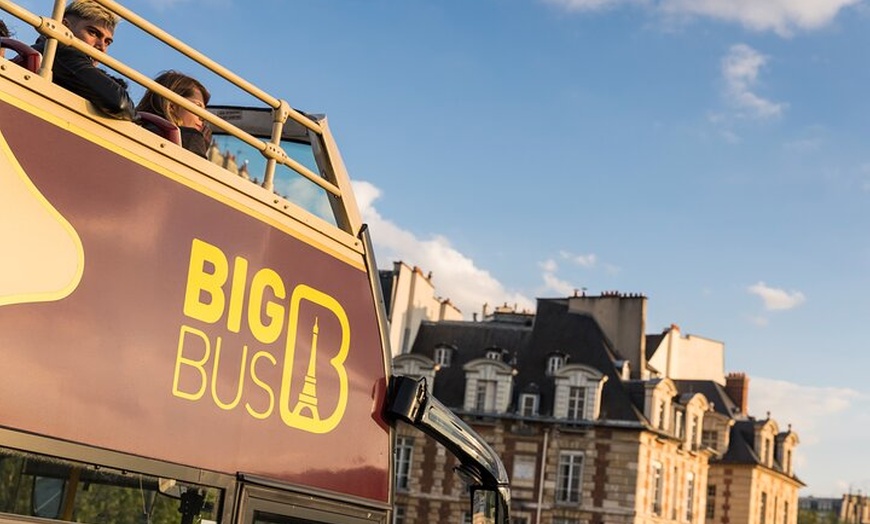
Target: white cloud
x,y
740,70
831,422
559,286
777,299
591,5
804,145
586,261
552,283
549,266
783,17
730,137
455,275
759,321
780,16
805,407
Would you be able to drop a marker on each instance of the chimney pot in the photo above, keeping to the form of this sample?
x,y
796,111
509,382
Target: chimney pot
x,y
737,387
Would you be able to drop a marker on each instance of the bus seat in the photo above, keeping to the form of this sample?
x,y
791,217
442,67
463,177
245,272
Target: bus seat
x,y
161,126
27,56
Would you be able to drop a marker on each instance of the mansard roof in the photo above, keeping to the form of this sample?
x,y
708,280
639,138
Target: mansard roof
x,y
471,340
716,395
741,449
386,278
652,344
527,348
581,339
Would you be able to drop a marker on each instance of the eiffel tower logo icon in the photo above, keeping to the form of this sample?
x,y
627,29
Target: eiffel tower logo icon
x,y
308,397
303,409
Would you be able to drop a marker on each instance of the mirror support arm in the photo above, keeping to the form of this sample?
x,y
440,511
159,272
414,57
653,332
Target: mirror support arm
x,y
409,400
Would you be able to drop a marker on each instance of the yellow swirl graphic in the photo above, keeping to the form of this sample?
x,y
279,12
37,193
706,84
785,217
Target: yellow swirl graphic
x,y
41,255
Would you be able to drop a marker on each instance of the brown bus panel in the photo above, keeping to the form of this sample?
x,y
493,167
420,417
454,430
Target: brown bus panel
x,y
153,317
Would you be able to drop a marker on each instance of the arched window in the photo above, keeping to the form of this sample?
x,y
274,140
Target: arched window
x,y
578,392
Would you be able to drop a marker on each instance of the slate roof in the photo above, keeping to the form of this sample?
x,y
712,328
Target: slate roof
x,y
741,448
652,344
470,341
528,348
715,393
386,278
580,338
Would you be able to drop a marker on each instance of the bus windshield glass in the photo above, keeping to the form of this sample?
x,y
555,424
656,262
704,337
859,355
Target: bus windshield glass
x,y
238,157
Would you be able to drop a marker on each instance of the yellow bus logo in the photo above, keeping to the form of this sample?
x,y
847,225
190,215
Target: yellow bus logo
x,y
198,357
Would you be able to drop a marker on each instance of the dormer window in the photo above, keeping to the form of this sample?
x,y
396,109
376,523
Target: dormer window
x,y
443,356
493,354
693,432
576,403
662,415
529,404
488,385
710,439
555,363
578,392
484,400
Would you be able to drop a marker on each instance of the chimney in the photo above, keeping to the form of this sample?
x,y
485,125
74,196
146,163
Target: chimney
x,y
737,387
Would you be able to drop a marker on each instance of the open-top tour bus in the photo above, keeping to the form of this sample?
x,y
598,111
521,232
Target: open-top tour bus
x,y
188,339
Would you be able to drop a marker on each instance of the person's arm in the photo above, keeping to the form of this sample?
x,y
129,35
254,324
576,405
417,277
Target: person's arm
x,y
75,71
196,140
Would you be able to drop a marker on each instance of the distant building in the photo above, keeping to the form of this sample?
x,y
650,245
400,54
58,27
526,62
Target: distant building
x,y
820,510
849,509
410,299
592,428
751,478
855,509
688,357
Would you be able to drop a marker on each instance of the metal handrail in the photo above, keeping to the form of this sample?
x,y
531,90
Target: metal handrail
x,y
55,32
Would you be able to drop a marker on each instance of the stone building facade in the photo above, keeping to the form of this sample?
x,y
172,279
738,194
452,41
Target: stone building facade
x,y
409,297
589,431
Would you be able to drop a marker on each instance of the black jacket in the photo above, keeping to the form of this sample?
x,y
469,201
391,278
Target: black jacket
x,y
194,140
75,71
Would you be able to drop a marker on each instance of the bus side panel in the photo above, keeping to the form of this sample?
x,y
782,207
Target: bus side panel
x,y
150,316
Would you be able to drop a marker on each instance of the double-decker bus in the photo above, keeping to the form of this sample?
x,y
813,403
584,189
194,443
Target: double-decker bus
x,y
188,339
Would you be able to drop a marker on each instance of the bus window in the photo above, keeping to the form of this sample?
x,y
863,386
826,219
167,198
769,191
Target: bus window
x,y
35,485
266,518
269,506
240,158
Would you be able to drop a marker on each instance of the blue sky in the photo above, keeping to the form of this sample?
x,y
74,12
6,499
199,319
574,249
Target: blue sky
x,y
710,154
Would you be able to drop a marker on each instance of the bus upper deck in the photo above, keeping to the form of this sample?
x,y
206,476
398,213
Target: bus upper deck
x,y
179,343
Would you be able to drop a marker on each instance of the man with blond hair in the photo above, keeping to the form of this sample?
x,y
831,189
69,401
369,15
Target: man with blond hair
x,y
93,24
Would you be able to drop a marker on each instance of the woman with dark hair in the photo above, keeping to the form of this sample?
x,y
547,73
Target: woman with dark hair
x,y
195,133
4,32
